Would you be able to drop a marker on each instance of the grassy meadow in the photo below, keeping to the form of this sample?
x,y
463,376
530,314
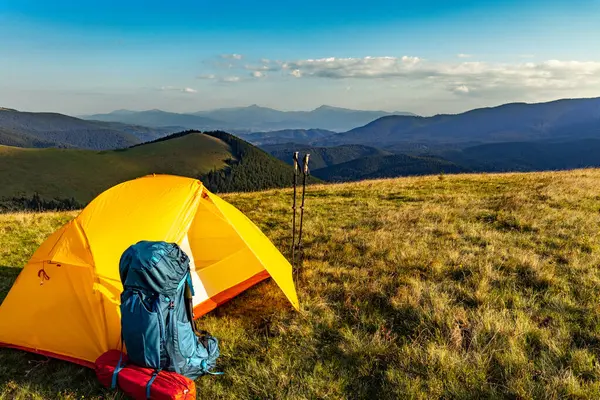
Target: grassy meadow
x,y
83,174
456,286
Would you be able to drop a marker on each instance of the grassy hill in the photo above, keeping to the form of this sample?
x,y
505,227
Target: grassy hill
x,y
83,174
466,286
66,177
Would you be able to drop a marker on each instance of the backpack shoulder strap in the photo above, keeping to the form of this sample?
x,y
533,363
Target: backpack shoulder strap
x,y
188,280
169,345
188,296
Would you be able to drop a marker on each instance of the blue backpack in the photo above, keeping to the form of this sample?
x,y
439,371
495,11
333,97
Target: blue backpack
x,y
157,324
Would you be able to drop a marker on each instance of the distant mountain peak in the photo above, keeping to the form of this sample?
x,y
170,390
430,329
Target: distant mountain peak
x,y
257,107
8,109
122,111
325,107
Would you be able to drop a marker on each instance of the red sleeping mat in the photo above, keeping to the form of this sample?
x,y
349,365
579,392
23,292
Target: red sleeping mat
x,y
132,380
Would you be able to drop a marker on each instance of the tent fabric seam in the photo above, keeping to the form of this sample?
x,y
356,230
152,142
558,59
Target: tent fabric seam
x,y
96,276
242,237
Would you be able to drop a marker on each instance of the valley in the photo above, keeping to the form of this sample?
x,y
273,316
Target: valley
x,y
65,160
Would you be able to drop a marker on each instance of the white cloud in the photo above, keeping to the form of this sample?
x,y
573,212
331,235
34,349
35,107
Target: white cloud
x,y
176,89
473,80
408,60
264,67
230,79
461,89
454,76
232,56
367,67
463,55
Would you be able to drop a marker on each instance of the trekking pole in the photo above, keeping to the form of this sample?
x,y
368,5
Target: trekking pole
x,y
294,208
305,173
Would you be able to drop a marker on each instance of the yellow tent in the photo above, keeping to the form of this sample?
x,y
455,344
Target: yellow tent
x,y
65,302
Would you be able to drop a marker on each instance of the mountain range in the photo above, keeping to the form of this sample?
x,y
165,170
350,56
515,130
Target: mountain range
x,y
358,162
249,119
28,129
560,134
284,136
555,120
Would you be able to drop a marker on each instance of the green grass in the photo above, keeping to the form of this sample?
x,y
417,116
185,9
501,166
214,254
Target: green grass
x,y
465,286
83,174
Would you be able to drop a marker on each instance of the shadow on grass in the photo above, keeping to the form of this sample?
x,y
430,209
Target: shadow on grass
x,y
27,375
264,314
8,276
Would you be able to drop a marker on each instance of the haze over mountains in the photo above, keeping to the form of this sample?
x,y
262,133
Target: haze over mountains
x,y
557,120
249,119
27,129
561,134
296,136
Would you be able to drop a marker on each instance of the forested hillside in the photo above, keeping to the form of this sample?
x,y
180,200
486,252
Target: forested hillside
x,y
69,178
321,157
39,130
387,167
250,169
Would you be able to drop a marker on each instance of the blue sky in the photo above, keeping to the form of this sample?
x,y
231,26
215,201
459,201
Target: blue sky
x,y
426,57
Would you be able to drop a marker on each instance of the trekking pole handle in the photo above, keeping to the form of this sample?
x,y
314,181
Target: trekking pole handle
x,y
295,161
306,156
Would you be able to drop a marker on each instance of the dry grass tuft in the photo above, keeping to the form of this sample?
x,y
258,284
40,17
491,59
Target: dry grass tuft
x,y
469,286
